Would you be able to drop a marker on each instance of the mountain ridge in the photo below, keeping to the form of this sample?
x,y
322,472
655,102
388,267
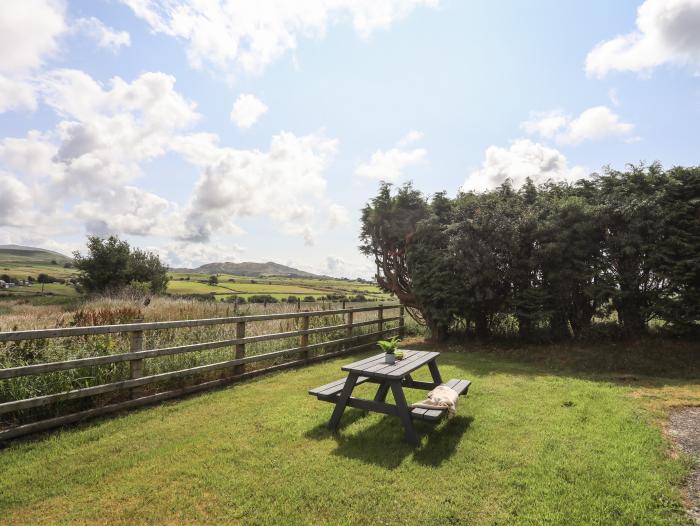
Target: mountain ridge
x,y
32,253
250,269
18,253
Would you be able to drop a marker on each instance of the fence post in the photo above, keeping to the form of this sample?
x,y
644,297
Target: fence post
x,y
380,322
348,330
136,366
402,325
305,337
240,347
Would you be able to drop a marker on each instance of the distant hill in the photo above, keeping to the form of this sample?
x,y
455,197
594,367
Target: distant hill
x,y
251,269
18,254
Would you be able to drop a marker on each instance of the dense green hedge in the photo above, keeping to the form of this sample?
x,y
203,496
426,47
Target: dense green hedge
x,y
621,245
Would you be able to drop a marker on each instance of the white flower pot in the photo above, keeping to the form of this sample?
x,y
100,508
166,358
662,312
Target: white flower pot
x,y
390,358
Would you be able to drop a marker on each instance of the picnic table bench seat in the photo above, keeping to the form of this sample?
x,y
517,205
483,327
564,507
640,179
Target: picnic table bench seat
x,y
330,391
433,415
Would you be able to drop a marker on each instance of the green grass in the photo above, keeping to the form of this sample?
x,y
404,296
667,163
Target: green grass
x,y
19,267
278,286
533,443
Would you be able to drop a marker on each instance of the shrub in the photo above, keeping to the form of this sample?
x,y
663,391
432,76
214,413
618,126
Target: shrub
x,y
262,298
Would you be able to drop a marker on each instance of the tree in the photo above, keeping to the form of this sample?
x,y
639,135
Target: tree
x,y
431,267
633,221
548,256
569,238
481,244
677,259
146,267
388,225
111,264
44,279
213,280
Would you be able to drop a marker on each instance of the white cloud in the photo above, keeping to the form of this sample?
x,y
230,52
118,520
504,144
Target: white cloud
x,y
410,138
108,132
29,34
592,124
126,210
82,168
15,201
32,155
388,165
667,33
16,94
251,35
545,123
83,172
29,31
614,98
351,265
337,215
285,184
181,254
105,36
521,160
247,110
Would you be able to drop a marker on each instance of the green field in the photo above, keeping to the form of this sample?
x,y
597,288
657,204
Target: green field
x,y
19,266
537,441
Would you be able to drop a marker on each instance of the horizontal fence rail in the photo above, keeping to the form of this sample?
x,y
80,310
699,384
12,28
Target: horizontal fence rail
x,y
132,388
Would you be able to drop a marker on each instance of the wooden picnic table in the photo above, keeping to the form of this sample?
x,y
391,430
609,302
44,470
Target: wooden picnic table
x,y
388,376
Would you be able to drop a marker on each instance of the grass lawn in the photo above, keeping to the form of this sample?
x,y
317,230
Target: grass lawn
x,y
534,442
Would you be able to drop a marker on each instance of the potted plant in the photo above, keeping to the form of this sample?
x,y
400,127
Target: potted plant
x,y
389,347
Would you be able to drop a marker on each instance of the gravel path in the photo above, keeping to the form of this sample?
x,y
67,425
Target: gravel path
x,y
684,428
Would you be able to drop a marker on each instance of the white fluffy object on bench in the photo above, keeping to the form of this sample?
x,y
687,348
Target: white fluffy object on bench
x,y
442,397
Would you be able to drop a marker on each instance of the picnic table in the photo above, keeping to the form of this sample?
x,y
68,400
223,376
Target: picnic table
x,y
388,376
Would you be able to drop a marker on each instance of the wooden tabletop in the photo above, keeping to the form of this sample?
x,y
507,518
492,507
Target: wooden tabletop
x,y
374,366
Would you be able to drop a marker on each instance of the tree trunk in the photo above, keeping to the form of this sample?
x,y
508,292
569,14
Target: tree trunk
x,y
629,315
482,326
438,331
581,315
525,328
558,326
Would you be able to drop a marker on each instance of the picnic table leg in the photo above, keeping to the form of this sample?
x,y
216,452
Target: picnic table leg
x,y
404,413
382,392
342,401
435,373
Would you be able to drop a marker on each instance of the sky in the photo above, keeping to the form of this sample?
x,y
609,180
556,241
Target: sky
x,y
212,130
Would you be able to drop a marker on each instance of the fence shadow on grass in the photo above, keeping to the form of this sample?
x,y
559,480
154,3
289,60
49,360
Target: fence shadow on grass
x,y
383,443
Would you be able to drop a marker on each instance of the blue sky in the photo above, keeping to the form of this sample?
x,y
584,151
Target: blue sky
x,y
211,131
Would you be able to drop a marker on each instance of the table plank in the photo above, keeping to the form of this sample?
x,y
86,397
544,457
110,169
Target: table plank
x,y
375,367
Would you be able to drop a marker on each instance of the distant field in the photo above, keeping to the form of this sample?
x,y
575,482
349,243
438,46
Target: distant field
x,y
22,265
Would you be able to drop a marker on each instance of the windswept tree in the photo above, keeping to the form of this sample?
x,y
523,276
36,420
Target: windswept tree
x,y
389,223
111,264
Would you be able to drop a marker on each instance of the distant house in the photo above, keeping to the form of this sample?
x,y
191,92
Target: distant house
x,y
3,284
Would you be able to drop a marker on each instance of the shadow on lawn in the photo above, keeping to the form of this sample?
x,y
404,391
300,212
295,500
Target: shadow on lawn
x,y
383,442
640,363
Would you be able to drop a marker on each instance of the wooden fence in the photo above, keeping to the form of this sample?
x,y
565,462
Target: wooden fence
x,y
136,356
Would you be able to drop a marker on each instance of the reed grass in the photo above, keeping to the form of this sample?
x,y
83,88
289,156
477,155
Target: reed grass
x,y
111,310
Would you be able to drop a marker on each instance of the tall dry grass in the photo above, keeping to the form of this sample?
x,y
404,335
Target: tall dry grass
x,y
111,310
